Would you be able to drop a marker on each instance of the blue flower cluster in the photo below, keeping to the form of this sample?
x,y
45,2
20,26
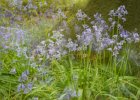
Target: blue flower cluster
x,y
24,86
99,35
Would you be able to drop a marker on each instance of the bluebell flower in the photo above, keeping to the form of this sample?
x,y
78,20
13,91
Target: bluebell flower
x,y
61,14
136,37
115,51
97,17
24,76
20,87
85,38
120,13
124,34
56,45
6,36
110,19
112,13
26,90
8,14
30,86
71,45
70,93
81,15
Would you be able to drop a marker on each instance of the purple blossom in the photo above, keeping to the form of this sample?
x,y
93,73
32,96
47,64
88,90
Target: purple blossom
x,y
136,37
120,13
20,87
25,88
112,13
30,86
115,51
98,32
86,37
8,14
56,45
70,93
98,17
81,15
7,36
107,42
71,45
60,13
24,76
110,19
124,34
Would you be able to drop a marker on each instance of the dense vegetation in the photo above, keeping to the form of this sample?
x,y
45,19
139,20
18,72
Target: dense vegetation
x,y
61,50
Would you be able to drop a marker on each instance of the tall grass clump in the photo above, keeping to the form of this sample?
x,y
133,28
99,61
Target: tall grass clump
x,y
67,58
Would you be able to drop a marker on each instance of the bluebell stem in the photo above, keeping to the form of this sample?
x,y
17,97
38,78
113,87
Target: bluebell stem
x,y
24,51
